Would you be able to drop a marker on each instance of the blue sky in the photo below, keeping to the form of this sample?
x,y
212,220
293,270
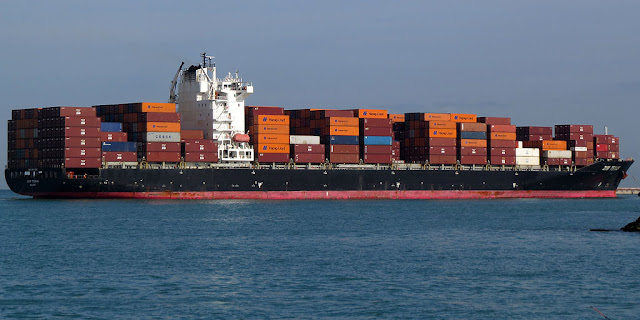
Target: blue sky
x,y
538,62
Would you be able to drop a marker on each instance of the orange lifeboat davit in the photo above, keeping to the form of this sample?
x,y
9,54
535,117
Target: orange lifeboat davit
x,y
241,137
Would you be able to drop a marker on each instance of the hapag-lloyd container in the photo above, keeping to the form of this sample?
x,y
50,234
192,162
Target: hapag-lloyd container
x,y
370,113
341,121
441,142
442,133
481,143
272,129
271,139
271,120
272,148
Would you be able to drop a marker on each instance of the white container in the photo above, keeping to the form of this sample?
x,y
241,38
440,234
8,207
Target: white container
x,y
555,154
520,144
163,136
527,152
578,148
528,161
304,139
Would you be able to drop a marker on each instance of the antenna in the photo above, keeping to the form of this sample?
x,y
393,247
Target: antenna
x,y
606,130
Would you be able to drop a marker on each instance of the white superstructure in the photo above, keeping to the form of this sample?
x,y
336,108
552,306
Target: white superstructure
x,y
215,106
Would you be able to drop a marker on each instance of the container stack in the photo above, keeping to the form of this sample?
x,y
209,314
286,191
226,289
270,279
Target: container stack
x,y
70,137
527,156
472,143
339,131
502,141
308,153
115,148
23,140
430,137
580,141
300,121
607,146
552,152
376,140
534,133
200,150
269,130
398,136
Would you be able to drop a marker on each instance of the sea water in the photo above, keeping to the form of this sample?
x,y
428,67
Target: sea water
x,y
418,259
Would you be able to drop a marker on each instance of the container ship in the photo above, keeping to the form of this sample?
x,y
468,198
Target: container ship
x,y
204,143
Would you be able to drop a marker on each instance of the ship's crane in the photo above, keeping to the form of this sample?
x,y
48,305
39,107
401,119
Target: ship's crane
x,y
172,90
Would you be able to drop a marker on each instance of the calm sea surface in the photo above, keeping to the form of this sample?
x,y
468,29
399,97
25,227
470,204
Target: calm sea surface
x,y
492,259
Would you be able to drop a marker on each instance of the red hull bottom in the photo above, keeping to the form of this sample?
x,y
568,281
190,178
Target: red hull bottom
x,y
340,195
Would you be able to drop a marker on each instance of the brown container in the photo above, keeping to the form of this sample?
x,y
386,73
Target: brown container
x,y
272,157
581,143
502,136
575,136
163,146
559,161
602,138
344,158
533,137
437,159
534,130
614,147
83,162
376,122
308,158
73,112
93,132
263,110
502,160
580,154
441,124
503,152
162,156
582,162
441,142
472,151
480,160
158,117
376,149
271,129
503,144
321,114
308,149
472,127
118,156
82,122
444,151
82,142
571,128
113,136
75,152
472,143
376,131
502,128
377,158
343,149
201,157
206,146
191,134
495,120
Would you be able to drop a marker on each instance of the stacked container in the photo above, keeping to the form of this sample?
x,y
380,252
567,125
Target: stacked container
x,y
472,143
23,140
527,156
580,141
299,121
339,132
115,148
270,136
552,152
398,136
430,137
200,150
502,141
607,146
70,137
534,133
376,140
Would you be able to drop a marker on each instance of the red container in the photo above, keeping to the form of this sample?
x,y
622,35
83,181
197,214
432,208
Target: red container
x,y
502,128
433,159
443,151
376,131
82,122
559,161
163,147
321,114
570,128
201,157
575,136
502,160
75,152
473,160
580,154
344,158
118,156
472,151
614,147
113,136
163,156
503,152
191,134
580,143
377,158
82,142
308,149
495,120
206,146
602,138
343,149
308,158
533,137
471,127
503,144
83,162
272,157
158,117
73,112
606,155
373,122
602,147
93,132
260,110
535,130
441,142
377,149
582,162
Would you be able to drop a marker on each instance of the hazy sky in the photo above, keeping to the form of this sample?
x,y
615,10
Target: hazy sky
x,y
538,62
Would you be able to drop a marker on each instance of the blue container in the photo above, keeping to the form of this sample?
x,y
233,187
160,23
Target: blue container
x,y
111,127
119,146
343,140
473,135
376,141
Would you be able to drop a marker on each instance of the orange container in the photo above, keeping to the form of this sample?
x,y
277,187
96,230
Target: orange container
x,y
272,148
271,119
271,129
502,136
163,126
271,139
437,117
473,143
371,113
342,121
343,131
442,125
554,145
461,117
396,117
158,107
442,133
